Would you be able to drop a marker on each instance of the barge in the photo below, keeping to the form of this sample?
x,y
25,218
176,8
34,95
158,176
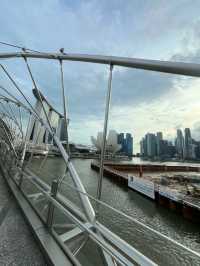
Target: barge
x,y
178,192
145,187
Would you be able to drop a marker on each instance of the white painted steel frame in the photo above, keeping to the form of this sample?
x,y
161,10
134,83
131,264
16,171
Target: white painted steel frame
x,y
180,68
128,251
188,69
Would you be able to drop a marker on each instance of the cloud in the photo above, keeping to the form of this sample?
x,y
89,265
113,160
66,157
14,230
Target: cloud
x,y
196,130
137,86
164,114
141,101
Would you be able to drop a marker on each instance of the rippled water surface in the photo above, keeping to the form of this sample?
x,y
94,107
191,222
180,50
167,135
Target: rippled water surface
x,y
165,221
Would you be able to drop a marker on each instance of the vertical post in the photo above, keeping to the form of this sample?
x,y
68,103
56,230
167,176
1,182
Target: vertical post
x,y
25,140
20,117
54,189
103,147
64,105
24,153
10,141
14,117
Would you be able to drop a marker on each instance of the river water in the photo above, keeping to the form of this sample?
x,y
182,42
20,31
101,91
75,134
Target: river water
x,y
146,211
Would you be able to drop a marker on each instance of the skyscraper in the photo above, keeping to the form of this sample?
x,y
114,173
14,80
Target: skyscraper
x,y
151,145
192,151
180,144
143,147
121,140
63,130
129,144
126,143
159,137
188,142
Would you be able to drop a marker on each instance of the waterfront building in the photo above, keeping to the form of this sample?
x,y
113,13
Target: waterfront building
x,y
40,136
151,145
129,144
185,147
197,149
154,146
126,143
187,144
159,137
122,142
63,130
192,151
143,147
112,145
180,144
171,149
164,148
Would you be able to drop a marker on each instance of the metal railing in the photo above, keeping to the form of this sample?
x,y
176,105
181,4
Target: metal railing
x,y
15,122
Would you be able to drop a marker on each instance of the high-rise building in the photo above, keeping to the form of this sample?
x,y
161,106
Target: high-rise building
x,y
171,150
151,145
163,148
121,141
187,143
143,147
63,130
129,144
126,143
197,150
192,151
154,146
180,144
159,137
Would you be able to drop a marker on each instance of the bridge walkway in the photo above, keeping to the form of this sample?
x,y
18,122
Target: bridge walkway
x,y
17,244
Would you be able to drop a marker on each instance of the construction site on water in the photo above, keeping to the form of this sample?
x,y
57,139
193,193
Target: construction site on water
x,y
174,187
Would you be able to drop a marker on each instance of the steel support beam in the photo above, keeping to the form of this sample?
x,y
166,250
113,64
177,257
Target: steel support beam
x,y
180,68
73,233
103,144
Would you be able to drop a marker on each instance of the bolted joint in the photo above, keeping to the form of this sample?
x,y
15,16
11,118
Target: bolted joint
x,y
54,188
111,66
62,50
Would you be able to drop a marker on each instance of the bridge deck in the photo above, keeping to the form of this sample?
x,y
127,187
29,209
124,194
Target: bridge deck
x,y
17,245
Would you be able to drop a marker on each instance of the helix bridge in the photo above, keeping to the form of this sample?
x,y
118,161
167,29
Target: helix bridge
x,y
23,123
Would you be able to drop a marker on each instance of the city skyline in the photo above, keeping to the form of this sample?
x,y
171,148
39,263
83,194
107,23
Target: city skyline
x,y
183,147
141,100
136,143
115,142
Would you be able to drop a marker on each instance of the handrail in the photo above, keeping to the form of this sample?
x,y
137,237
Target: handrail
x,y
179,68
130,218
100,234
139,257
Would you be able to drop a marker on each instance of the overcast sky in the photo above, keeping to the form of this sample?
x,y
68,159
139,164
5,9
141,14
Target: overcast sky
x,y
141,101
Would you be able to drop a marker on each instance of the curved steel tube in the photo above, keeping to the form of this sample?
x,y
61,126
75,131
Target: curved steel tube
x,y
180,68
89,211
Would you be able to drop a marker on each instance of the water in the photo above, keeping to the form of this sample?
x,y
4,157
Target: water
x,y
173,163
137,206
